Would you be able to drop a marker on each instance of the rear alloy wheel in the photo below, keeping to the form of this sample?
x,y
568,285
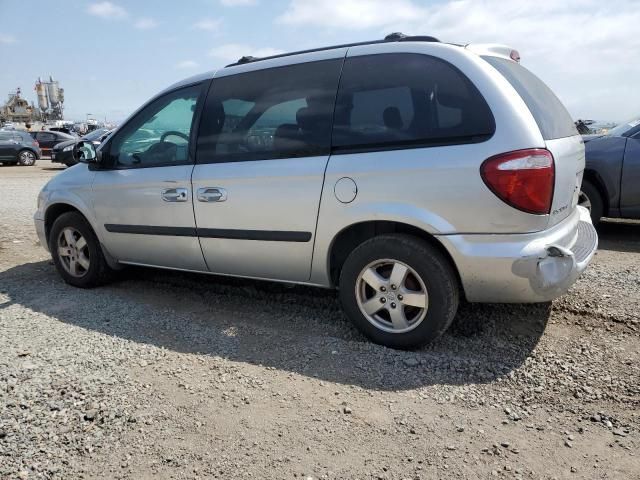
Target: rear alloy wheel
x,y
392,296
399,291
26,158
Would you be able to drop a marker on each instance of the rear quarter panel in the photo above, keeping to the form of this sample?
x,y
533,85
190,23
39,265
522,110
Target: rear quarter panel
x,y
568,154
437,189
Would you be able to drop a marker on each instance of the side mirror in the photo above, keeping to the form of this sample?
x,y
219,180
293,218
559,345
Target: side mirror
x,y
85,152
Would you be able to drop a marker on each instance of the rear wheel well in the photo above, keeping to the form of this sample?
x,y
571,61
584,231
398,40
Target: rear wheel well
x,y
348,239
594,179
53,212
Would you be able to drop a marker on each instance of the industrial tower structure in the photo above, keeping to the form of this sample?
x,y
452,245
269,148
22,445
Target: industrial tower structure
x,y
50,99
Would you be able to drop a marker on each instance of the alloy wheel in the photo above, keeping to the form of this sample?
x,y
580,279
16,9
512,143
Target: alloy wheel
x,y
27,158
73,252
392,296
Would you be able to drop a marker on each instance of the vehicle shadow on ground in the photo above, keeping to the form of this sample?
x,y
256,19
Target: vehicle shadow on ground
x,y
619,235
296,329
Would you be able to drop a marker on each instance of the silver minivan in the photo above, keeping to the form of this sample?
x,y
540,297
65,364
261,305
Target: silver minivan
x,y
405,172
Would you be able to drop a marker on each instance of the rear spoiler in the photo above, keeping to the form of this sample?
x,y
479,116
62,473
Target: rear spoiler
x,y
494,50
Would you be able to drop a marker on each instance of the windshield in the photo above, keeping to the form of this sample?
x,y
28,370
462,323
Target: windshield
x,y
624,127
95,135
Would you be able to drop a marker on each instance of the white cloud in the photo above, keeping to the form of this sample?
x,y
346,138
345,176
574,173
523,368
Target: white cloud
x,y
186,64
351,14
232,52
585,50
145,23
7,39
107,10
208,24
238,3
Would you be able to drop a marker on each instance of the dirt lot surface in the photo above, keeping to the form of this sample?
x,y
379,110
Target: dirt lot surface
x,y
171,375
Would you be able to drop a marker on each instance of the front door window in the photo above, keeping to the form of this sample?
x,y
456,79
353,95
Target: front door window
x,y
160,134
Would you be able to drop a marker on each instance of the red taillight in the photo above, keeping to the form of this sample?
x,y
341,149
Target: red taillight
x,y
524,179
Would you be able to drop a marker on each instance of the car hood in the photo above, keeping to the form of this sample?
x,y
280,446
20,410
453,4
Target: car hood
x,y
61,145
66,143
593,136
75,176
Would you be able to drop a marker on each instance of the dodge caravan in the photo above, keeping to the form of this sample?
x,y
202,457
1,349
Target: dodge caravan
x,y
406,172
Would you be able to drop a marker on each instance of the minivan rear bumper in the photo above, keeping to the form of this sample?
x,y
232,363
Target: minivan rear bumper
x,y
524,268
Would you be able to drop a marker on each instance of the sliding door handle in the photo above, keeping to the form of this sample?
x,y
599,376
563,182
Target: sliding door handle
x,y
175,195
212,194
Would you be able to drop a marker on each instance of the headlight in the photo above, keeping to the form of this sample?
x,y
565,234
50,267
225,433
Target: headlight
x,y
68,148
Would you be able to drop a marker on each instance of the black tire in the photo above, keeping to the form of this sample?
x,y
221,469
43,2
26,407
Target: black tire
x,y
30,159
98,272
432,267
592,194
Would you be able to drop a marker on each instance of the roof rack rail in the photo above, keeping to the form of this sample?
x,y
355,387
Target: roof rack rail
x,y
392,37
247,59
401,37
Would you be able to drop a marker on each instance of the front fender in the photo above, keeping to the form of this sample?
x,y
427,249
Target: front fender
x,y
57,199
73,188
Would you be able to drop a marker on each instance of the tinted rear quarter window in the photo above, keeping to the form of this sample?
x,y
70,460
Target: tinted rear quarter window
x,y
407,100
548,111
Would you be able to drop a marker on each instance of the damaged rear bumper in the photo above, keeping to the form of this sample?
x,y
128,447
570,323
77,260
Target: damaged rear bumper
x,y
524,268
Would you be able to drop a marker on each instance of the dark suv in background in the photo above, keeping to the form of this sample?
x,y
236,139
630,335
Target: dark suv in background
x,y
17,147
611,184
49,139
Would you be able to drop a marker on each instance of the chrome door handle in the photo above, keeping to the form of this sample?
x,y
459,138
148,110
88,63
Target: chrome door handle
x,y
175,195
212,194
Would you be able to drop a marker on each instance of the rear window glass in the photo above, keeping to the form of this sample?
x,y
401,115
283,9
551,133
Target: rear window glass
x,y
407,100
552,118
45,137
282,112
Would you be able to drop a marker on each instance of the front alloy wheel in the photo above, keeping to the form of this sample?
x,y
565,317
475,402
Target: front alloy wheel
x,y
74,252
77,253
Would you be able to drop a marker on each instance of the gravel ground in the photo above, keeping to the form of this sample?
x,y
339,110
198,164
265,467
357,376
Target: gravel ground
x,y
171,375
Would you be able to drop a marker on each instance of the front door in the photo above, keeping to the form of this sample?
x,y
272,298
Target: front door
x,y
263,147
630,183
142,198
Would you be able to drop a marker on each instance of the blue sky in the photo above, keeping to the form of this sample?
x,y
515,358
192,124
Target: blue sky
x,y
110,56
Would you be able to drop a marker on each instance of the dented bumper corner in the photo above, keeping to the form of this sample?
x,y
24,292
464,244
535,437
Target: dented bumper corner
x,y
532,267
